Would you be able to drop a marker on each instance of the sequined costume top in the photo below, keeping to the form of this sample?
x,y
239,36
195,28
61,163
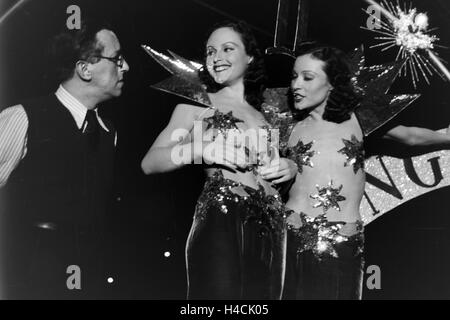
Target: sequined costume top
x,y
330,160
219,190
329,165
258,145
237,245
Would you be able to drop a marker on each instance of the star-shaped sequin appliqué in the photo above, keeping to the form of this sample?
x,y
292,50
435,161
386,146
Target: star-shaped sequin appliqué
x,y
222,122
328,197
301,154
354,151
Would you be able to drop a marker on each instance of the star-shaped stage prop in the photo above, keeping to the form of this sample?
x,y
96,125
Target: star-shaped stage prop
x,y
328,197
372,84
301,154
354,151
184,81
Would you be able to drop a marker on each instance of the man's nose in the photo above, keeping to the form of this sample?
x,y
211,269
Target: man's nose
x,y
125,67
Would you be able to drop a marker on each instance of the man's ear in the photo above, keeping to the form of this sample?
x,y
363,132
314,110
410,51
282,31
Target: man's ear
x,y
82,68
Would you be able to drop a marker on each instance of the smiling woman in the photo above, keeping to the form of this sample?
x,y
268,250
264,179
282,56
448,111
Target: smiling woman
x,y
226,58
241,43
236,246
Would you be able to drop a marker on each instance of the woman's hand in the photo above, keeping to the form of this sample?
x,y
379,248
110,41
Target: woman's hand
x,y
294,220
280,170
222,152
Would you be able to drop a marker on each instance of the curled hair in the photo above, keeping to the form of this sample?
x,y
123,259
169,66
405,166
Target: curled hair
x,y
343,98
70,46
255,75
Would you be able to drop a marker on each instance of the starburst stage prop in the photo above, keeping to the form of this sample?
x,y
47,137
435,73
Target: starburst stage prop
x,y
408,30
184,81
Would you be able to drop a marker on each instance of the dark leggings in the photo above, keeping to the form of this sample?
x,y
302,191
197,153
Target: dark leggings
x,y
231,256
309,277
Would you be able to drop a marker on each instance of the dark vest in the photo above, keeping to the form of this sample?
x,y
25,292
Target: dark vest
x,y
60,180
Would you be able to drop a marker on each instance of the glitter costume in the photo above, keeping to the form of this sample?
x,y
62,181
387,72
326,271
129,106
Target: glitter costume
x,y
354,151
322,263
301,154
328,197
222,122
236,247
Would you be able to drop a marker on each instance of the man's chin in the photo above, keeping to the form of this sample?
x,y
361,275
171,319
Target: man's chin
x,y
117,92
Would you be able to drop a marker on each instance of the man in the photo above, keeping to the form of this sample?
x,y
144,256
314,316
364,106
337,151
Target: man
x,y
56,173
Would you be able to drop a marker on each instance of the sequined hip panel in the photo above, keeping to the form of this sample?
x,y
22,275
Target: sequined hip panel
x,y
322,237
237,245
321,263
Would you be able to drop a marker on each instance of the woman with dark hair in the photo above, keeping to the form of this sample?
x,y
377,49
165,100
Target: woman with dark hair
x,y
236,247
325,237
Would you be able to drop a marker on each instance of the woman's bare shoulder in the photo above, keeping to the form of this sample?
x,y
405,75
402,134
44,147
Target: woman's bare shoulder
x,y
189,111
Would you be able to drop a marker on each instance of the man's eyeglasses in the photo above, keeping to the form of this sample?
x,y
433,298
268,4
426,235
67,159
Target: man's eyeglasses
x,y
119,60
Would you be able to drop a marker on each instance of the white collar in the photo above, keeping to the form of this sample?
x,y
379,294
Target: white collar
x,y
75,107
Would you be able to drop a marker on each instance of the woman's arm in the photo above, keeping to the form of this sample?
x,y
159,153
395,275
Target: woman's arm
x,y
183,142
414,136
162,156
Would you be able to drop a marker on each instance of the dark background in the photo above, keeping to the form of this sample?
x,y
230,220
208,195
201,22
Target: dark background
x,y
152,215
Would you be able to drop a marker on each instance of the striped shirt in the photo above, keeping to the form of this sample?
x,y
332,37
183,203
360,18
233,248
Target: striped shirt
x,y
14,127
